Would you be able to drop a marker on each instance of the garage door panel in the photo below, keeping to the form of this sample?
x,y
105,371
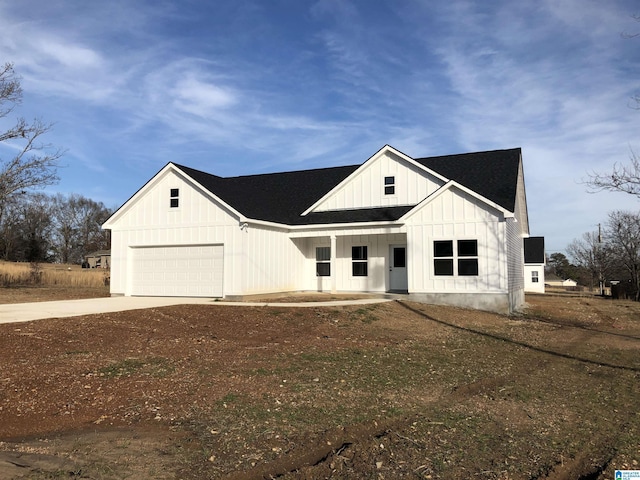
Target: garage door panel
x,y
191,271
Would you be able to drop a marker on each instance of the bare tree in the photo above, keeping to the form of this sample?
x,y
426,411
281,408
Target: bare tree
x,y
623,234
591,254
35,163
623,178
77,229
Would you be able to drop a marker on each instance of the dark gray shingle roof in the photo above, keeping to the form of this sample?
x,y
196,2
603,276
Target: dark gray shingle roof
x,y
282,197
534,250
494,174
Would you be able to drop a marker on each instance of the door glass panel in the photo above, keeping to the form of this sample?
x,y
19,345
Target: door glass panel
x,y
399,257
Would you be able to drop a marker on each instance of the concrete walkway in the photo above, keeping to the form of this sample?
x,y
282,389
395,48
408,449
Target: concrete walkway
x,y
25,312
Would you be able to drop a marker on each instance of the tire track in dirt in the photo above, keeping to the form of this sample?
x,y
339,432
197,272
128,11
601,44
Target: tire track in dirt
x,y
590,463
334,442
330,443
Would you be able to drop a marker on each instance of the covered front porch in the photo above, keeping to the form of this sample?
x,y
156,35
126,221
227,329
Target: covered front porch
x,y
354,261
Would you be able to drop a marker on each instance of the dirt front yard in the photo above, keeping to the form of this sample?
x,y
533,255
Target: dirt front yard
x,y
387,391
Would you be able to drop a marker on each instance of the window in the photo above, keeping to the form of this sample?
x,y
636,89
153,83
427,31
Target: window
x,y
323,261
534,276
466,257
359,261
175,193
399,257
468,266
443,261
389,185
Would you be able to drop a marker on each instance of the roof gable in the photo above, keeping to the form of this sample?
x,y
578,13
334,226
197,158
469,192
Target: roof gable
x,y
492,174
288,198
365,186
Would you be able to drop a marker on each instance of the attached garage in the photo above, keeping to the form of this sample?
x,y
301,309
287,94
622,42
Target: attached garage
x,y
177,271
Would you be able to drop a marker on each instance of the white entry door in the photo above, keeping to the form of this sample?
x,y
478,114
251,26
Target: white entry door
x,y
398,268
177,271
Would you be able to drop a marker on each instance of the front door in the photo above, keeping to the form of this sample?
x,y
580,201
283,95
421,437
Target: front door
x,y
398,268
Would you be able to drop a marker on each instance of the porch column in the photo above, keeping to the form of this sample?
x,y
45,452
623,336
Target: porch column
x,y
333,264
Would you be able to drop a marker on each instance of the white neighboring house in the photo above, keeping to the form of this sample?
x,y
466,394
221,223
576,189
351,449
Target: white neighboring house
x,y
534,263
445,230
554,281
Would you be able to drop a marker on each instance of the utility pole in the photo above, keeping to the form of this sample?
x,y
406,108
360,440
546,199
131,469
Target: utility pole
x,y
599,260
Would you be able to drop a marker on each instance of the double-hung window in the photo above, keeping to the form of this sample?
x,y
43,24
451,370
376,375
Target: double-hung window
x,y
455,258
359,257
323,261
534,276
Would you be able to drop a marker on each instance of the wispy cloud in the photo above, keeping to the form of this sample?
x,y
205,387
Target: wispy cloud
x,y
132,85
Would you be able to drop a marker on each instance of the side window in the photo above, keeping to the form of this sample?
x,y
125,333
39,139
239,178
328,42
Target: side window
x,y
359,258
443,261
465,257
174,198
323,261
468,263
534,276
389,185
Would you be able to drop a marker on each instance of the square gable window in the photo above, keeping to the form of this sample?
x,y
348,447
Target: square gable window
x,y
389,185
174,198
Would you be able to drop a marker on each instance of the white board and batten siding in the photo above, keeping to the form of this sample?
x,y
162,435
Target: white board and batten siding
x,y
365,188
159,250
273,263
455,215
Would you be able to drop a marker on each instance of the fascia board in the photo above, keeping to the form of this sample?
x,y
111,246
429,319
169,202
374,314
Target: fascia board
x,y
383,150
333,226
320,226
112,220
447,186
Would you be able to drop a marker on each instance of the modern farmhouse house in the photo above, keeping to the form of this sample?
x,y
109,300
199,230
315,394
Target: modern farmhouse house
x,y
446,229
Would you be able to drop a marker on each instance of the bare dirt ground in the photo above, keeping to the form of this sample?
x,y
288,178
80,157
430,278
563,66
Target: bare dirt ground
x,y
396,390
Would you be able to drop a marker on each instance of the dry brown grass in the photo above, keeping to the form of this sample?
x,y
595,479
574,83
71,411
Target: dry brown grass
x,y
47,274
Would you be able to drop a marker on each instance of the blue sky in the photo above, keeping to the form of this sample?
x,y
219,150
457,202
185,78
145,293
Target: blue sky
x,y
241,87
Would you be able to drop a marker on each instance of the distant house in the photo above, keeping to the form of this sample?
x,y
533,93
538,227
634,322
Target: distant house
x,y
555,281
446,230
99,259
534,263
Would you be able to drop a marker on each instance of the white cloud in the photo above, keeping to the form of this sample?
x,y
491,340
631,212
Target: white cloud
x,y
200,97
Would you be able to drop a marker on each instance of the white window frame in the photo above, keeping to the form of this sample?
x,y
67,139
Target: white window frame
x,y
455,258
360,261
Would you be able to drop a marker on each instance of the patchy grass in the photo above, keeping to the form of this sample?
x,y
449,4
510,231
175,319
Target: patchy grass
x,y
417,392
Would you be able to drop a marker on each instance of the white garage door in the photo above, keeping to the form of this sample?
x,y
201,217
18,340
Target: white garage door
x,y
178,271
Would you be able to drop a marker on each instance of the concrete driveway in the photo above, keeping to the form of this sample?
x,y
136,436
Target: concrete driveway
x,y
25,312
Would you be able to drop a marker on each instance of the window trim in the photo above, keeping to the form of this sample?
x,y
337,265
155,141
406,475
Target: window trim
x,y
390,185
535,276
361,260
323,261
456,258
174,198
